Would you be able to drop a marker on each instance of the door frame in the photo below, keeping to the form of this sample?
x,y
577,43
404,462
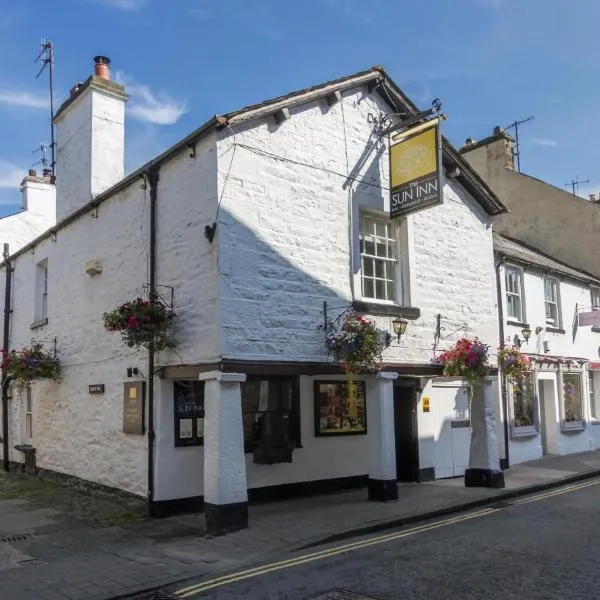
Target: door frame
x,y
415,387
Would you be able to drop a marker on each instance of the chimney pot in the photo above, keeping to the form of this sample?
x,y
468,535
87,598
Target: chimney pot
x,y
32,173
102,67
469,142
498,130
593,197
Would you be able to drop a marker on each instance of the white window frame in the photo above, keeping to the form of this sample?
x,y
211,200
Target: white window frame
x,y
594,397
41,293
572,425
595,298
521,295
28,423
397,235
558,323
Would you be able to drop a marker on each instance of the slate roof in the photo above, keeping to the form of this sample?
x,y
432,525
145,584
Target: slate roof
x,y
527,255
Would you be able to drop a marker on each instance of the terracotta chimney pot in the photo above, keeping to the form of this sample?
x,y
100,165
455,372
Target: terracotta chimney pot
x,y
102,67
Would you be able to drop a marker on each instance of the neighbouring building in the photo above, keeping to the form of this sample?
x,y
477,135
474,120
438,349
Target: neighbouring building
x,y
537,211
37,214
260,228
552,311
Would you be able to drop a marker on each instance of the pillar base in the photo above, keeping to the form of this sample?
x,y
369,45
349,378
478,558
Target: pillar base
x,y
484,478
225,518
383,490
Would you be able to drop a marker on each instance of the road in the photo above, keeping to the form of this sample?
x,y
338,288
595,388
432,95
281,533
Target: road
x,y
541,546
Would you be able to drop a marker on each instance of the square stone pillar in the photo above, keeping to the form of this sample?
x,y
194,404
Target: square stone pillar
x,y
225,489
381,437
484,459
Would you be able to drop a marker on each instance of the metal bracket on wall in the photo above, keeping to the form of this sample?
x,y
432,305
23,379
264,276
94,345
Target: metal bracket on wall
x,y
441,330
169,292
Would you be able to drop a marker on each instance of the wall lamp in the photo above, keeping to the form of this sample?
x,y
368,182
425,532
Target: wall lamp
x,y
399,324
526,333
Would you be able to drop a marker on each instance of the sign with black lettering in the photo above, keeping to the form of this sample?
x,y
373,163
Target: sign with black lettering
x,y
97,388
188,398
415,171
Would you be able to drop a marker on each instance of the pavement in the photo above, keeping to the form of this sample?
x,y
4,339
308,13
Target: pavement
x,y
58,543
543,547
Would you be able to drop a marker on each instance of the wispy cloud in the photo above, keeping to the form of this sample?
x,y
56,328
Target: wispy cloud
x,y
547,143
351,10
10,175
263,21
150,107
126,5
23,99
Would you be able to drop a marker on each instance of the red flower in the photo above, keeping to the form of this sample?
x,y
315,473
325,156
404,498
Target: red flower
x,y
132,322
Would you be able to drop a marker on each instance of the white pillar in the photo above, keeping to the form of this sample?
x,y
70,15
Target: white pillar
x,y
381,437
225,490
484,460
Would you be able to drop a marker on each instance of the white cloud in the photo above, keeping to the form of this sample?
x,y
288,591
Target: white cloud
x,y
10,175
23,99
351,10
126,5
150,107
544,142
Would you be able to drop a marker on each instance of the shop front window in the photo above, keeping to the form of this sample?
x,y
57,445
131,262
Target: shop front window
x,y
523,401
271,413
572,397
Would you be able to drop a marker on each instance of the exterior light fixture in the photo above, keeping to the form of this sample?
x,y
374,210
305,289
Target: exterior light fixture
x,y
526,333
399,324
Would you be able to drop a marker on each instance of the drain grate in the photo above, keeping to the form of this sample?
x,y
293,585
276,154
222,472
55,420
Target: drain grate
x,y
16,538
342,595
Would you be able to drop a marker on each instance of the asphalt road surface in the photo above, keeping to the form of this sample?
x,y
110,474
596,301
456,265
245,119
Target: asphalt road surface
x,y
541,546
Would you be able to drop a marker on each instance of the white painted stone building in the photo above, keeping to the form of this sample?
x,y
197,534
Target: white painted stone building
x,y
256,221
556,411
37,213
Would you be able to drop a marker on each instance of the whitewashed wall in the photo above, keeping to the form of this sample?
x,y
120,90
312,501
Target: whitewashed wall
x,y
579,342
76,432
285,245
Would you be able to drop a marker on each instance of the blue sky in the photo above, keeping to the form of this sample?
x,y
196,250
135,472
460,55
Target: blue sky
x,y
490,61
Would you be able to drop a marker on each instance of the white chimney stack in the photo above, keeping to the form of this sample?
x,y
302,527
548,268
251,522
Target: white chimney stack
x,y
90,140
39,195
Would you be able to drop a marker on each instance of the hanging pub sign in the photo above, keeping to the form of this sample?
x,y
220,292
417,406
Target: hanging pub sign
x,y
415,169
587,318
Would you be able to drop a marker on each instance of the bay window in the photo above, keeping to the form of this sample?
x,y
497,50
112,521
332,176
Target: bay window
x,y
572,397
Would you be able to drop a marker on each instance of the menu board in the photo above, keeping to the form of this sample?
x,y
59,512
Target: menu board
x,y
338,410
188,397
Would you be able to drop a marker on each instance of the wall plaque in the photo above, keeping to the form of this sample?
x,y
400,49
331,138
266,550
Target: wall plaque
x,y
133,407
97,388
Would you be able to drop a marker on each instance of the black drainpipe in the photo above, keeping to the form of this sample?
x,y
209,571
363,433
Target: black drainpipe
x,y
153,176
503,379
5,378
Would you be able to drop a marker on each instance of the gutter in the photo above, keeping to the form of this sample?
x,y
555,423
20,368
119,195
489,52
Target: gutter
x,y
153,177
6,379
503,380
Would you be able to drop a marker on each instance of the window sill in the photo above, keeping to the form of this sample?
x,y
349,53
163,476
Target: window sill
x,y
523,432
38,323
373,307
596,329
517,324
567,426
554,329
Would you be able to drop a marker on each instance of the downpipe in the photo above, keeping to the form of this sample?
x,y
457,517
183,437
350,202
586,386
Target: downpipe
x,y
503,379
6,379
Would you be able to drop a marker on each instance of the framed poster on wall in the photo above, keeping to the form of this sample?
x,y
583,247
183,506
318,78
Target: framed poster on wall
x,y
188,397
336,412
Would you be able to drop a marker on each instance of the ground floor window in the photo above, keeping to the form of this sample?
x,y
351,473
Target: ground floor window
x,y
337,411
572,397
271,412
522,393
188,398
594,398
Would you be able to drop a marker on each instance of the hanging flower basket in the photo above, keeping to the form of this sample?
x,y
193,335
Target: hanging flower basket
x,y
29,364
357,345
142,323
467,359
513,362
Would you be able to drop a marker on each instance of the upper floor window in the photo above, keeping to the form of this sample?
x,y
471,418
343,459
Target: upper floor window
x,y
514,294
595,292
552,301
378,258
41,292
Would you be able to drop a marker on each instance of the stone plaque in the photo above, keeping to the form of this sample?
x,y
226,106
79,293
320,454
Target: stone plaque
x,y
133,407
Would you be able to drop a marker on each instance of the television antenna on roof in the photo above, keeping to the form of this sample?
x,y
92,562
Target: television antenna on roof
x,y
515,125
574,183
46,58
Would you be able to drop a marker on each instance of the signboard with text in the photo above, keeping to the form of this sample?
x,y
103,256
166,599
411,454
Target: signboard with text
x,y
415,173
589,318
